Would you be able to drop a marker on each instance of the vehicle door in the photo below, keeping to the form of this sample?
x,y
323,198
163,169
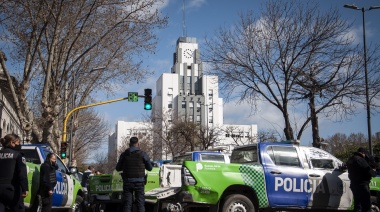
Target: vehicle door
x,y
285,177
330,185
65,186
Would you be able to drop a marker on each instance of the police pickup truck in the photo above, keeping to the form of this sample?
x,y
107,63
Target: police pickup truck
x,y
68,192
105,191
267,176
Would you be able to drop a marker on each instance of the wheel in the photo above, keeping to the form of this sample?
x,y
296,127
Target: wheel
x,y
37,204
374,206
238,203
78,206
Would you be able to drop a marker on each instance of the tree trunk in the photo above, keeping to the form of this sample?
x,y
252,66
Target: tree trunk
x,y
314,122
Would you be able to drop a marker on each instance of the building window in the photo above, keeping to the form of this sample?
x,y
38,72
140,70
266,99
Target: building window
x,y
198,118
189,83
210,119
170,101
198,107
227,135
183,104
191,118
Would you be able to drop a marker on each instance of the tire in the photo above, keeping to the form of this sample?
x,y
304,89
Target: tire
x,y
37,204
374,205
238,202
78,206
375,208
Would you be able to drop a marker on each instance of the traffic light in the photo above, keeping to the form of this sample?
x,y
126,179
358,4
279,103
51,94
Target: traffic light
x,y
63,150
147,99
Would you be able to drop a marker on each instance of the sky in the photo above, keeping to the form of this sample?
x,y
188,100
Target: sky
x,y
203,18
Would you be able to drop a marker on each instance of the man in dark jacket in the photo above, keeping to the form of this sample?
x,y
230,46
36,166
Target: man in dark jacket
x,y
360,173
133,163
13,177
48,180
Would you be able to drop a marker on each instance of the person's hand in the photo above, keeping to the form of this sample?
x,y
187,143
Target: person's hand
x,y
51,192
24,194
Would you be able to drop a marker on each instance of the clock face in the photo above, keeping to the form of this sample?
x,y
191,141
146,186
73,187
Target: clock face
x,y
188,53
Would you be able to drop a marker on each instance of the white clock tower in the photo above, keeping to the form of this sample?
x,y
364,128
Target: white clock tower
x,y
186,91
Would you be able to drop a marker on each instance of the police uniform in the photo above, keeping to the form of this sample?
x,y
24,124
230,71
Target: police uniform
x,y
48,181
13,180
133,163
360,174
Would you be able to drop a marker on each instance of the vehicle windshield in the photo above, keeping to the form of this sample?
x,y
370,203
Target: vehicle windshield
x,y
212,157
178,160
31,156
244,155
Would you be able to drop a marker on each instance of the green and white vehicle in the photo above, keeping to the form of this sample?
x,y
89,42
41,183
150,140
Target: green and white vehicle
x,y
266,177
68,194
105,191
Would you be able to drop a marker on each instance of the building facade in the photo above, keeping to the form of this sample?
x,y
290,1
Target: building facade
x,y
123,132
10,122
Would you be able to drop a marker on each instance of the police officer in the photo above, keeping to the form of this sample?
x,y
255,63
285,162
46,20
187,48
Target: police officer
x,y
360,173
48,180
86,175
13,178
133,163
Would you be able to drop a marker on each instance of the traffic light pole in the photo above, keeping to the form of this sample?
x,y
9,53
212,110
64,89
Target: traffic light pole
x,y
64,133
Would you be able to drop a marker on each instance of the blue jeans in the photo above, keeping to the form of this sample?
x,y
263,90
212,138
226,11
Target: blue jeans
x,y
135,189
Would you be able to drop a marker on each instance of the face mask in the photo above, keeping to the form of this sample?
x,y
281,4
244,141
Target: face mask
x,y
17,147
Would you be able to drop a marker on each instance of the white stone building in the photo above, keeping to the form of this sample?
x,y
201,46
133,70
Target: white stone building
x,y
123,131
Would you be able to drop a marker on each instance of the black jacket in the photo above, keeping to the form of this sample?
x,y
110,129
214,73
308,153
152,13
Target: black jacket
x,y
48,175
359,169
133,163
13,168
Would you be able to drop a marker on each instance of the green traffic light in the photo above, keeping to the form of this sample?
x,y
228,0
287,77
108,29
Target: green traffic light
x,y
147,106
63,155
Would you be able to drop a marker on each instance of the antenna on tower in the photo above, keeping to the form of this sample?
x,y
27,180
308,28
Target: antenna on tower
x,y
184,30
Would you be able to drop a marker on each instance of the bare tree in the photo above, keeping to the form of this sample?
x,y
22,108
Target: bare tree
x,y
236,133
88,137
186,134
269,135
282,56
163,138
208,136
342,146
103,163
174,134
58,43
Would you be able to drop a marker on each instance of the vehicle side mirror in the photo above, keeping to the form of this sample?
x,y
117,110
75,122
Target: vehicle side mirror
x,y
73,170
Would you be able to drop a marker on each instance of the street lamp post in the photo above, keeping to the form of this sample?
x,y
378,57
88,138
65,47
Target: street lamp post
x,y
354,7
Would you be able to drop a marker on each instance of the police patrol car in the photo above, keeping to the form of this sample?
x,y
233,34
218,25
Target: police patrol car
x,y
267,176
68,192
